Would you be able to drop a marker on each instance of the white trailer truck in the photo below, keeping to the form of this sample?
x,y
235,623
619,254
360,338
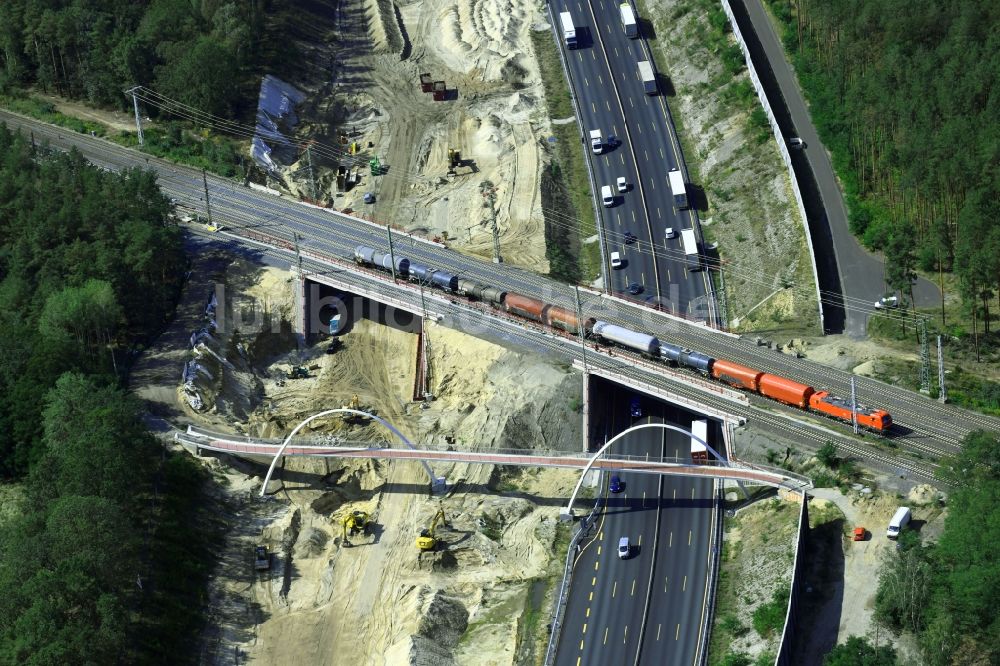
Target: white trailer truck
x,y
628,21
648,77
676,180
569,30
690,243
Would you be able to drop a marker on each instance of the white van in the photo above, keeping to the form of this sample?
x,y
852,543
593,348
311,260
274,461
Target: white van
x,y
606,196
898,522
624,548
616,260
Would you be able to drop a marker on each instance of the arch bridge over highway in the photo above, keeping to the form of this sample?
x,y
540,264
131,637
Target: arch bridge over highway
x,y
200,440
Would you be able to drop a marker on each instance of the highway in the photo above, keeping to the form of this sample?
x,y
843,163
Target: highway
x,y
647,608
610,95
924,425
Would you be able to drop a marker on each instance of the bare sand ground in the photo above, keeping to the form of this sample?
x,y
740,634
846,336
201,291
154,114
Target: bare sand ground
x,y
494,117
462,604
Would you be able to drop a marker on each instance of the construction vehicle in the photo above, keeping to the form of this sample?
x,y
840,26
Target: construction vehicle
x,y
355,403
261,558
298,372
457,163
356,522
427,541
375,165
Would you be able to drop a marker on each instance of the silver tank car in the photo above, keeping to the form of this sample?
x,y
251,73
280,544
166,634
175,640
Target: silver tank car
x,y
469,288
647,344
367,255
494,295
363,255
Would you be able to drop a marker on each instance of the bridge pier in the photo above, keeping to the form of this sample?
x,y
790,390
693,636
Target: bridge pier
x,y
302,309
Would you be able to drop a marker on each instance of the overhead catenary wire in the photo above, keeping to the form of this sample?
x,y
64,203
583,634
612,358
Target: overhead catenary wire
x,y
554,218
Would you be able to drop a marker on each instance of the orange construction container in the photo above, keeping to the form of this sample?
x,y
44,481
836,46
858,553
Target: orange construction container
x,y
736,374
785,390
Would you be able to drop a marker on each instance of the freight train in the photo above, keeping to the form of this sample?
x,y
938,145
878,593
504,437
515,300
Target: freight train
x,y
778,388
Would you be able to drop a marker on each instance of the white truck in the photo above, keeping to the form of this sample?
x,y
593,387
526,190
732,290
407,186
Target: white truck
x,y
690,243
677,188
569,30
596,141
628,21
699,434
898,522
648,77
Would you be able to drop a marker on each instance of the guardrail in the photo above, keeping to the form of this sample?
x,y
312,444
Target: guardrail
x,y
701,656
559,612
782,148
586,146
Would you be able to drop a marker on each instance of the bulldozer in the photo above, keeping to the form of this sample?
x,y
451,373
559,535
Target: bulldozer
x,y
356,522
427,541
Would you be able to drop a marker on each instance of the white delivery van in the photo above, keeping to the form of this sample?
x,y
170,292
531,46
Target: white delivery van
x,y
898,522
607,197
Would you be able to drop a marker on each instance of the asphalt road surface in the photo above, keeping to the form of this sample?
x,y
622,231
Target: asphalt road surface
x,y
860,273
611,98
647,608
924,424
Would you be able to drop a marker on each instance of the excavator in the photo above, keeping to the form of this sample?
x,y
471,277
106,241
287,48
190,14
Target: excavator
x,y
427,541
356,522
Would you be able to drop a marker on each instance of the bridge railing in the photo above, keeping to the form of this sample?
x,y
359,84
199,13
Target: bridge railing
x,y
330,446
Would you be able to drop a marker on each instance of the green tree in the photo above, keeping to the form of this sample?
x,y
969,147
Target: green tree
x,y
901,259
905,586
859,652
827,455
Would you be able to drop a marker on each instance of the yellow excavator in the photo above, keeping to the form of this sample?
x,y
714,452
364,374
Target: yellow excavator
x,y
427,541
356,522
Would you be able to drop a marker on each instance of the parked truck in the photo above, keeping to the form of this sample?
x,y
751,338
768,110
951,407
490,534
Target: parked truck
x,y
628,21
898,522
676,180
648,77
569,30
596,141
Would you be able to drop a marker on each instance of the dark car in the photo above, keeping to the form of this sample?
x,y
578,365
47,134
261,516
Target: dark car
x,y
629,238
635,289
635,408
616,485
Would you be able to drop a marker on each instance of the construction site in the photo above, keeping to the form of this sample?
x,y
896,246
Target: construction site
x,y
431,116
342,548
417,106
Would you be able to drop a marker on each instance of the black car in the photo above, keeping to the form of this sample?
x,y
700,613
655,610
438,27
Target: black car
x,y
635,288
629,238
